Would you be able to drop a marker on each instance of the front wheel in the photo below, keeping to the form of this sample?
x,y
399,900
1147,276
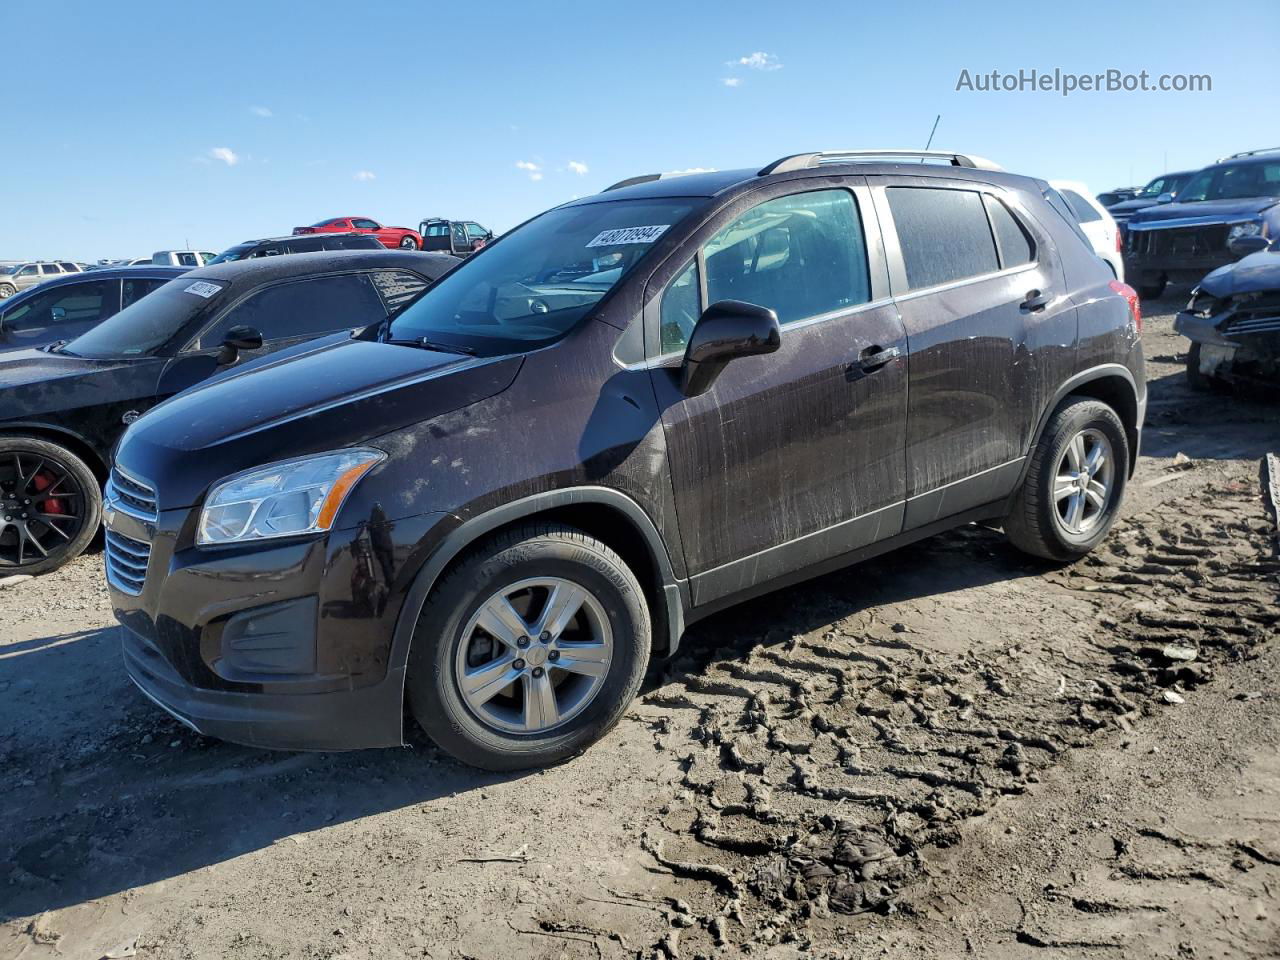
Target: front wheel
x,y
1074,485
7,290
408,243
529,650
50,506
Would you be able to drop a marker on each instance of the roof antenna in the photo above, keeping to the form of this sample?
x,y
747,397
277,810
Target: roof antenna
x,y
931,133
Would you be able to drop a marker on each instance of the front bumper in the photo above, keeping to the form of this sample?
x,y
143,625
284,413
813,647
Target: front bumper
x,y
338,720
285,644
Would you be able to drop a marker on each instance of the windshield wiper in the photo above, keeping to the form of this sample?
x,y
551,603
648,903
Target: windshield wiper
x,y
425,344
55,347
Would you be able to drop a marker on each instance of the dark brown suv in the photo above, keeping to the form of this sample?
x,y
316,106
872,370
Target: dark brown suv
x,y
631,411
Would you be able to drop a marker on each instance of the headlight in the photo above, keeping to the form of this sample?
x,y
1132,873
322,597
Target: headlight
x,y
283,499
1250,229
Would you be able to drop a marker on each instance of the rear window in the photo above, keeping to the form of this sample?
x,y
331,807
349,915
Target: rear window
x,y
1080,207
944,234
1068,215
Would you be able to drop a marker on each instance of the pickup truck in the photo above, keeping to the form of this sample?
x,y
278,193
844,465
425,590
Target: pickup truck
x,y
458,237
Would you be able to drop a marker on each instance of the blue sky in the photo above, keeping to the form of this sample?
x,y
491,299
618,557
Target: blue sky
x,y
133,127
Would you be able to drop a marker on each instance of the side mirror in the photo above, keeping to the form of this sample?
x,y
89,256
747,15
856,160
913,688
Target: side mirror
x,y
1243,246
1165,198
57,313
726,330
238,338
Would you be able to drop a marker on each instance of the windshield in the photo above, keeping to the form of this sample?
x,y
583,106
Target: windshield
x,y
534,285
9,268
148,324
1158,186
1236,181
234,253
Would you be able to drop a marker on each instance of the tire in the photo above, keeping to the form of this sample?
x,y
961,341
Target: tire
x,y
1195,379
408,243
7,290
1151,291
1039,523
50,505
451,643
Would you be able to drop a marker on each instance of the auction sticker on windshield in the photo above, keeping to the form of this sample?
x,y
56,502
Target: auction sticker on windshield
x,y
621,235
202,289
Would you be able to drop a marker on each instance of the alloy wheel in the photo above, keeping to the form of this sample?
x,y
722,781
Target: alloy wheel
x,y
534,655
41,508
1084,482
408,244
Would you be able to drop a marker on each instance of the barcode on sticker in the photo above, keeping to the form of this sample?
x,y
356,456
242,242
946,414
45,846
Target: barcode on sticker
x,y
202,289
613,238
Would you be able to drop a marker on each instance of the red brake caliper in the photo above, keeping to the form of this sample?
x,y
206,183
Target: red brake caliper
x,y
42,481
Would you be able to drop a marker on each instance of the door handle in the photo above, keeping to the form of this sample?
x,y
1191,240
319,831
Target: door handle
x,y
873,358
1034,303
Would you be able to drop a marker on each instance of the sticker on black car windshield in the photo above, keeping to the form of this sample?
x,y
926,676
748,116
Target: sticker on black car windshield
x,y
621,235
202,289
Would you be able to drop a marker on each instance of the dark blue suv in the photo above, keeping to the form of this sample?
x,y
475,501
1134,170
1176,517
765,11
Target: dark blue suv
x,y
1239,196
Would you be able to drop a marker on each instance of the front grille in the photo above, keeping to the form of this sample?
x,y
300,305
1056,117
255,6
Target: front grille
x,y
1179,241
132,495
127,562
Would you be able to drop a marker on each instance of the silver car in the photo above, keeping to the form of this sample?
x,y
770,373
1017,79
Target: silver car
x,y
22,274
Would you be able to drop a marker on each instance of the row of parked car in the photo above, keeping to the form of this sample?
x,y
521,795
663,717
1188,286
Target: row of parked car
x,y
342,483
1219,229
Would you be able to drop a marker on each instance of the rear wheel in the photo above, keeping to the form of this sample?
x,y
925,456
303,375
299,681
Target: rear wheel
x,y
529,650
408,243
50,505
1074,484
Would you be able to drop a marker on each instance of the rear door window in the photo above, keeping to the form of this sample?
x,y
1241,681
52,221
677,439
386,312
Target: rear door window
x,y
944,234
50,268
302,308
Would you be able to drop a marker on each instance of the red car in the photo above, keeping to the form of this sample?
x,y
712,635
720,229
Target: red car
x,y
401,237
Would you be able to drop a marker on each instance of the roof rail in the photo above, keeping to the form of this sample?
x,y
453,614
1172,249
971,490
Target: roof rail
x,y
632,181
1248,153
805,161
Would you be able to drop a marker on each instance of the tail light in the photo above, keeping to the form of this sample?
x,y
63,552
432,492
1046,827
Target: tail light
x,y
1131,297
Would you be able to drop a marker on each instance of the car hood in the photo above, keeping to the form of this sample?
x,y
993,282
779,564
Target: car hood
x,y
1200,212
34,381
340,395
1259,272
1130,206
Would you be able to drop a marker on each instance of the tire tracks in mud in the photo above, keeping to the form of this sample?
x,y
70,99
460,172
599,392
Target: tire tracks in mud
x,y
821,767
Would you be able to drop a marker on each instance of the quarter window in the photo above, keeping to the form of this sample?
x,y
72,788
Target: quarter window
x,y
302,308
1016,247
944,234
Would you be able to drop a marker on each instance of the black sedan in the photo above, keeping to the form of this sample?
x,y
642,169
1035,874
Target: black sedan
x,y
63,407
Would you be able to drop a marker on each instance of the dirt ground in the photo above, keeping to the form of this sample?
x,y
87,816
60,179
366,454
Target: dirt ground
x,y
951,751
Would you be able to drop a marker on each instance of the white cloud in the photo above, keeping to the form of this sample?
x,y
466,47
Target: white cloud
x,y
535,177
226,155
364,176
580,169
731,81
757,61
533,169
261,111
